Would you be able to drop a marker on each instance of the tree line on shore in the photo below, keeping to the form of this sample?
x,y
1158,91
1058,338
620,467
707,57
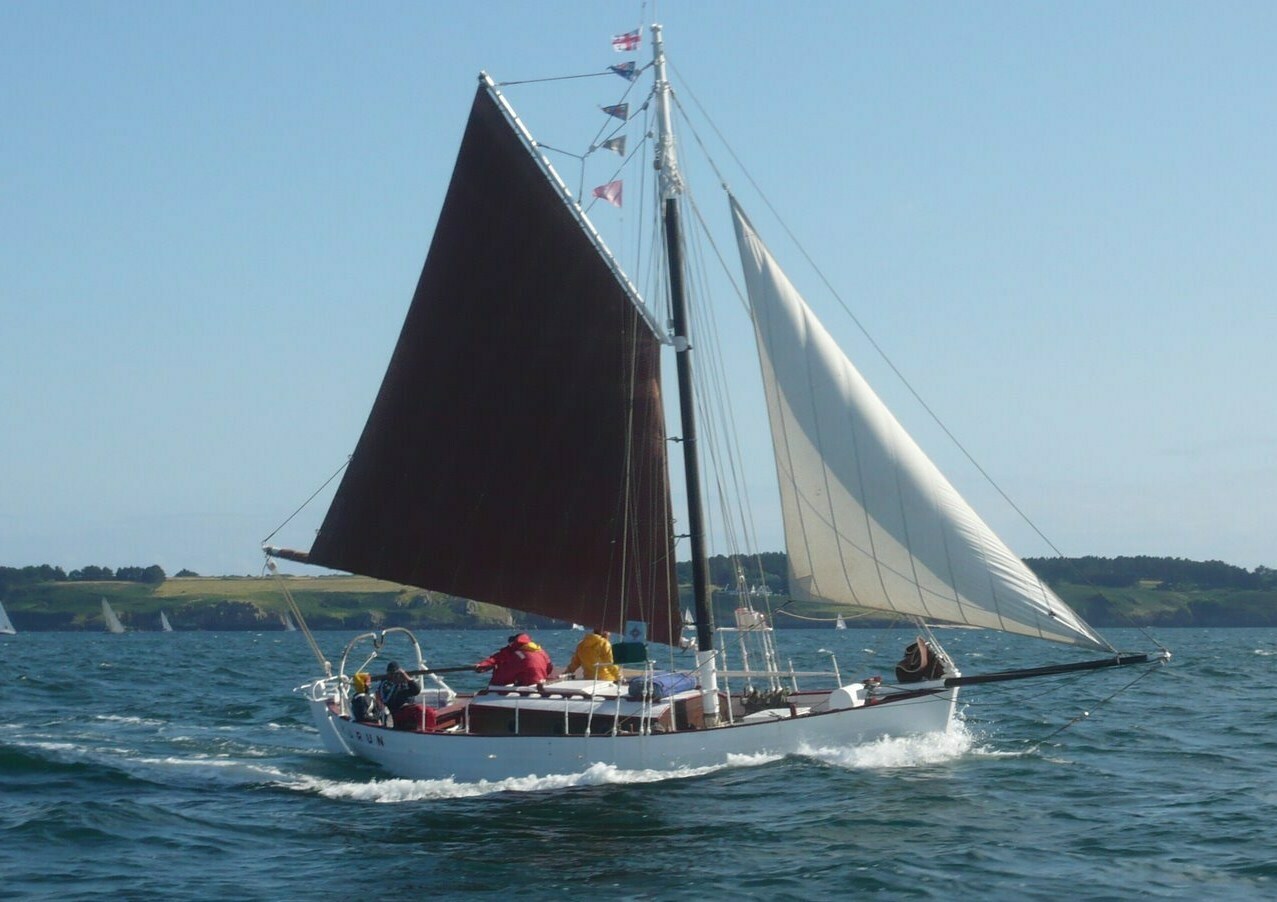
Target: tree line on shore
x,y
1166,572
1120,591
771,569
13,577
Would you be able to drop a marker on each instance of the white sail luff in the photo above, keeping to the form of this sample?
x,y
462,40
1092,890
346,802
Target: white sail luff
x,y
869,519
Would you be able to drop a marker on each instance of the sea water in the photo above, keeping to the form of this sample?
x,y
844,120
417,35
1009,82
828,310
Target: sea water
x,y
184,766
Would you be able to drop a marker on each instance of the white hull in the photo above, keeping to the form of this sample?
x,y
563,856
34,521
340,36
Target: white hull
x,y
468,758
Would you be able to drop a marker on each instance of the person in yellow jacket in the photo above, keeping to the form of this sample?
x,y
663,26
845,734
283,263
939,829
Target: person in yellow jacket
x,y
594,656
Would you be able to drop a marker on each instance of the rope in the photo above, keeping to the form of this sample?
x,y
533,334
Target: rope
x,y
301,621
781,610
308,500
1085,714
862,614
535,81
856,321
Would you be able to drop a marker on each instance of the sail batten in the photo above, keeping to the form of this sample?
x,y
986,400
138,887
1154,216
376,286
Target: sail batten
x,y
870,522
515,453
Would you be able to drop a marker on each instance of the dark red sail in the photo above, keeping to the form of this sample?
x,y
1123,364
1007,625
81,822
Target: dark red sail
x,y
515,453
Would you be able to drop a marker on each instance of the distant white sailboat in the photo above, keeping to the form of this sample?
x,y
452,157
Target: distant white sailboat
x,y
6,625
165,627
840,624
286,621
113,624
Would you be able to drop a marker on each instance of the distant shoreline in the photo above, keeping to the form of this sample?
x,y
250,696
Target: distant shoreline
x,y
244,603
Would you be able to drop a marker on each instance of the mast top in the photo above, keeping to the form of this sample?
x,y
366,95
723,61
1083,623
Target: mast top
x,y
666,160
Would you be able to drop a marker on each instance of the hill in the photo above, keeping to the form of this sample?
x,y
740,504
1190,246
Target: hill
x,y
1107,592
245,603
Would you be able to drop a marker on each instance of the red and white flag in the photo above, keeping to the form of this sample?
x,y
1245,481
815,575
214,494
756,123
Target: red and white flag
x,y
626,43
611,192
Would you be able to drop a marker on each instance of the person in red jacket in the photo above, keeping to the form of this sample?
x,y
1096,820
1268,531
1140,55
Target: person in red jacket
x,y
521,663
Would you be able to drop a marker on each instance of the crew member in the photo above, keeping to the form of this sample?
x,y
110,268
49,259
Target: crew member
x,y
396,689
521,663
594,656
363,704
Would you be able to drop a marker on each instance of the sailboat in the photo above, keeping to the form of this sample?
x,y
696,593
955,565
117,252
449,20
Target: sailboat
x,y
113,624
839,623
286,621
165,626
577,523
6,625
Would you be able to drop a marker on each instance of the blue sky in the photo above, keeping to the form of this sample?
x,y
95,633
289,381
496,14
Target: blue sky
x,y
1058,220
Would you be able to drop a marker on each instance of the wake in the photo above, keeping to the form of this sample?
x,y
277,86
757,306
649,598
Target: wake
x,y
400,790
926,750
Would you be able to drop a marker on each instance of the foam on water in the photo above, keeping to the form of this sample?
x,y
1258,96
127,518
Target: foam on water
x,y
238,772
58,747
888,752
220,788
133,721
400,790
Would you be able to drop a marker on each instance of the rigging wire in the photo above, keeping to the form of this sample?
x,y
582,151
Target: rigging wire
x,y
714,397
345,464
1061,683
605,72
863,329
734,455
859,325
299,617
716,384
617,171
1085,714
845,616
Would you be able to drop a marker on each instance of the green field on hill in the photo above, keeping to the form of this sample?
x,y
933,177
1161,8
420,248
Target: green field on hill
x,y
1113,592
238,603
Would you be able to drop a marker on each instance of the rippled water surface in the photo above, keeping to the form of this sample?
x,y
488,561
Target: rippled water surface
x,y
182,766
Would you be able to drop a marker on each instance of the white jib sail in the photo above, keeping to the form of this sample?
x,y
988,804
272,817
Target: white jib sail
x,y
869,519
